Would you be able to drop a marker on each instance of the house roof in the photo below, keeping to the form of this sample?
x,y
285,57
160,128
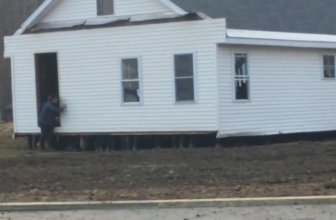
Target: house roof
x,y
48,5
94,23
299,16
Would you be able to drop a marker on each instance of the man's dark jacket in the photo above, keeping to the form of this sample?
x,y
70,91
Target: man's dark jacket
x,y
48,114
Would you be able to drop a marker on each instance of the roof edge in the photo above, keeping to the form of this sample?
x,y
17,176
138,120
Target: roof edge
x,y
174,7
282,39
41,11
278,35
122,21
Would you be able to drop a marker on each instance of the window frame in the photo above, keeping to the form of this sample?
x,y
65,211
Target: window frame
x,y
322,66
105,15
234,97
122,101
194,59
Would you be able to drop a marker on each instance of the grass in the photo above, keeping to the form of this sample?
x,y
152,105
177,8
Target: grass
x,y
10,148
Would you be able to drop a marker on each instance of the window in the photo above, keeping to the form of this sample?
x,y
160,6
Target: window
x,y
105,7
328,66
241,77
130,80
184,77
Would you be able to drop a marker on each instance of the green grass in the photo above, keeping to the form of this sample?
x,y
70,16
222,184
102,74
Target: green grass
x,y
10,148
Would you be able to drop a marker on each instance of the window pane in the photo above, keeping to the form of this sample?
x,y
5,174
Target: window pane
x,y
329,73
130,69
184,65
241,64
242,88
131,91
99,7
329,66
329,60
105,7
185,89
241,77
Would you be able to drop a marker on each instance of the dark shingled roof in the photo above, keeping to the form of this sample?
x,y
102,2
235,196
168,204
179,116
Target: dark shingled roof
x,y
302,16
114,22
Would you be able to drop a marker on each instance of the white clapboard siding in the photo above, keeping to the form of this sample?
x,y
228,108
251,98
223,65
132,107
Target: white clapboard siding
x,y
72,10
89,75
134,7
287,91
83,9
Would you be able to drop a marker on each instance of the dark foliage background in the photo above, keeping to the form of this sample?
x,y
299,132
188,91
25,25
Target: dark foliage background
x,y
12,14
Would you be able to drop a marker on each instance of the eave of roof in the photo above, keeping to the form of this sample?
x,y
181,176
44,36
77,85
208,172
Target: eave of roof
x,y
281,39
174,7
38,14
112,22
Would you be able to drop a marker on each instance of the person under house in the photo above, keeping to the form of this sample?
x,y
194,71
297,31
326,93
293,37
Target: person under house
x,y
48,120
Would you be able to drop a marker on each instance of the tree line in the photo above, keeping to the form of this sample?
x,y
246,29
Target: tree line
x,y
12,15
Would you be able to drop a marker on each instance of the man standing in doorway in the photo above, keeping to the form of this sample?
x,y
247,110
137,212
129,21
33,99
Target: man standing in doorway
x,y
47,121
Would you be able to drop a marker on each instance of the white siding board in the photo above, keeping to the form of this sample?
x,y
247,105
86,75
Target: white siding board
x,y
89,76
134,7
288,94
72,10
24,95
83,9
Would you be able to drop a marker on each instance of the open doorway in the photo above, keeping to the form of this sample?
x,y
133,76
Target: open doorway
x,y
46,70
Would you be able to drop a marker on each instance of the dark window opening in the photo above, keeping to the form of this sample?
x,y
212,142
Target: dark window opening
x,y
105,7
130,80
46,70
184,77
241,77
329,66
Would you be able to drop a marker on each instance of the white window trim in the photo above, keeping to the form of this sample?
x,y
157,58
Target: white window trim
x,y
322,67
141,102
233,89
195,77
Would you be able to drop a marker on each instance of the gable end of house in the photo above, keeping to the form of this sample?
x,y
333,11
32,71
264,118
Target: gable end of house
x,y
61,10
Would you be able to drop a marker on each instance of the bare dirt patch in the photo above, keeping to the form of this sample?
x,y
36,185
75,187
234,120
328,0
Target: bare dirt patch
x,y
294,169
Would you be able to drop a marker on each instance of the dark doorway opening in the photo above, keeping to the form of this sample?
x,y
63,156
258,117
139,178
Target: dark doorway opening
x,y
46,67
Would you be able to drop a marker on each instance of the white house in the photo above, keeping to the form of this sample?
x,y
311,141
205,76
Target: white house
x,y
177,66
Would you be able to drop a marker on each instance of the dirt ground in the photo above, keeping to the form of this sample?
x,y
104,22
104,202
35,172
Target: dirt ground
x,y
294,169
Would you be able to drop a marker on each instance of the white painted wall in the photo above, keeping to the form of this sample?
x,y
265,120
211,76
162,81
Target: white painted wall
x,y
71,10
82,9
134,7
288,93
89,74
